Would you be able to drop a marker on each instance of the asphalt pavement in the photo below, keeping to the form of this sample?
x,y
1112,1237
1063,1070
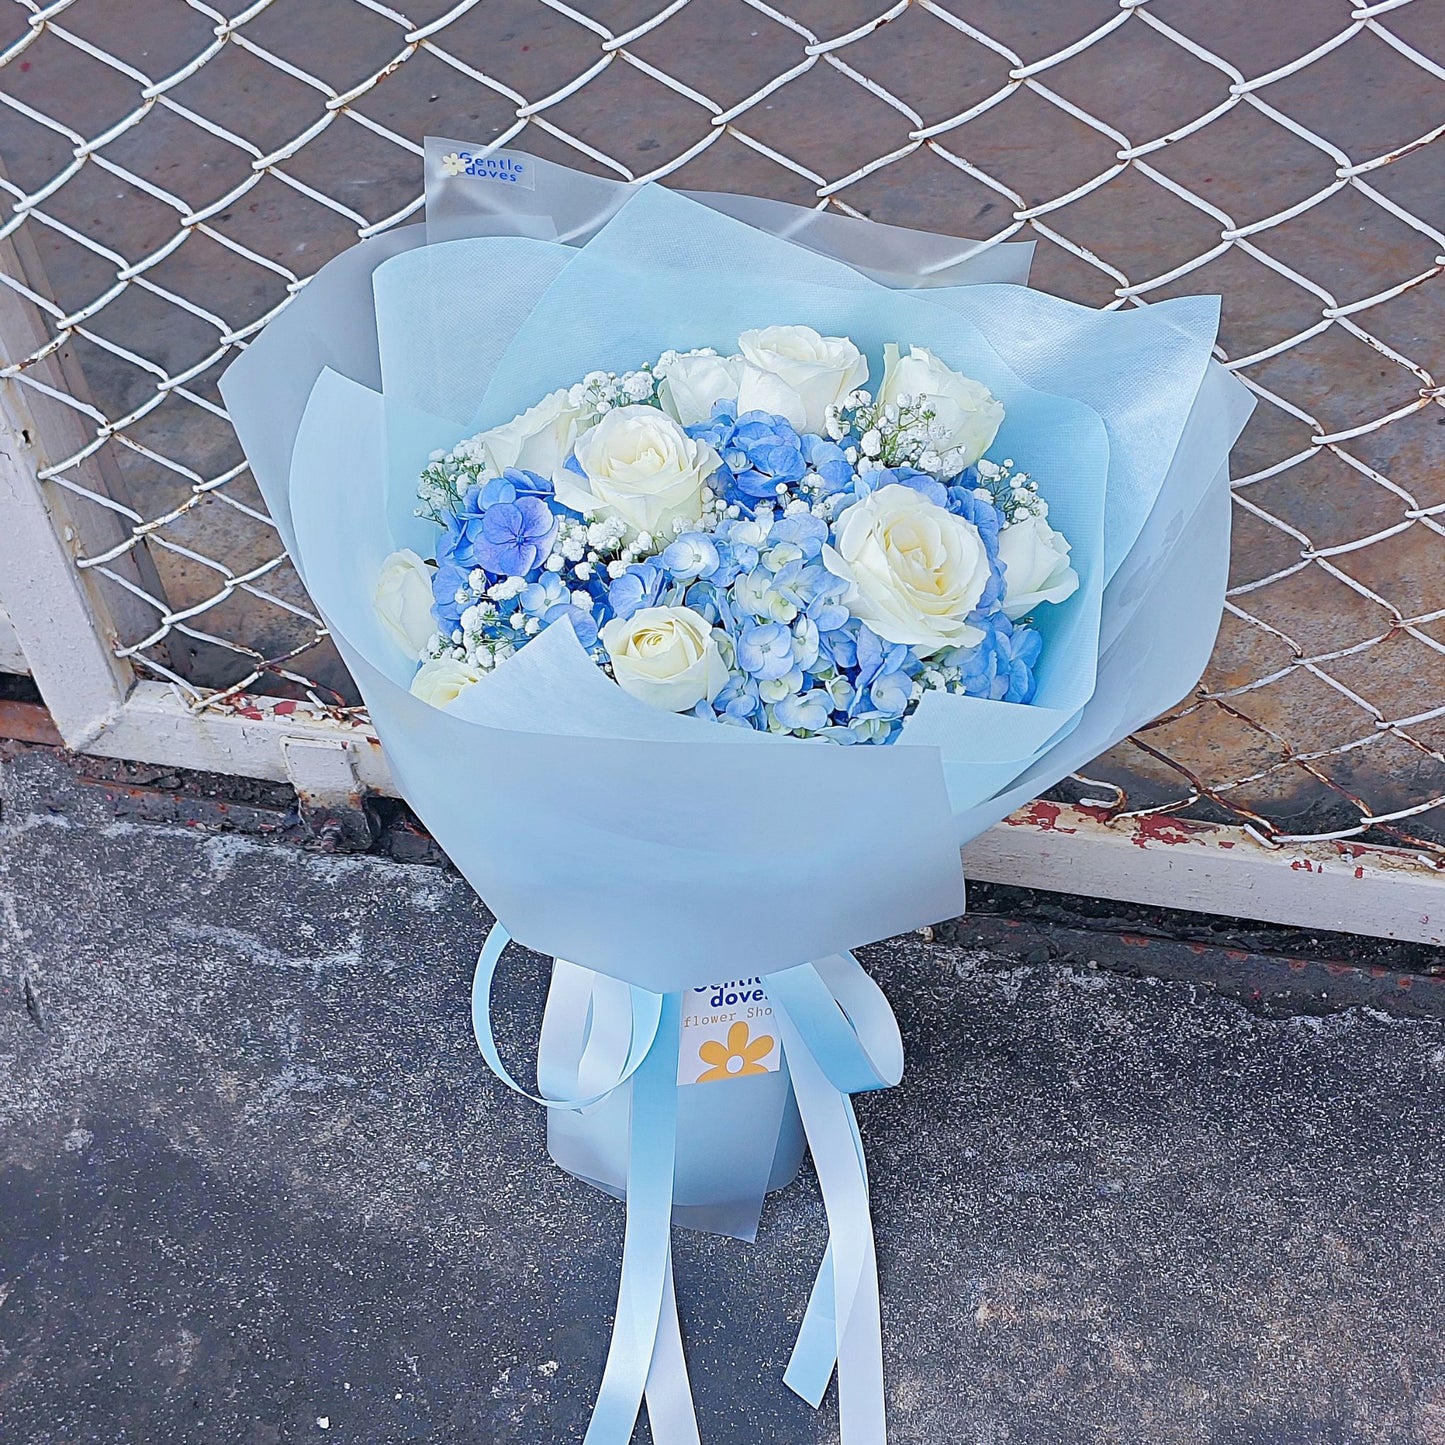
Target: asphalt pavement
x,y
256,1185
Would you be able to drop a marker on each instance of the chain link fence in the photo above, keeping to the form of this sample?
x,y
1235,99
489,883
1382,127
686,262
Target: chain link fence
x,y
176,170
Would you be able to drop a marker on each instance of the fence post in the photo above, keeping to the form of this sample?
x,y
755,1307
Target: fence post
x,y
67,624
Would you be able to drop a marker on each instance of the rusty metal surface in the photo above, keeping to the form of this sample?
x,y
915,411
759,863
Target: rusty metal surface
x,y
1324,708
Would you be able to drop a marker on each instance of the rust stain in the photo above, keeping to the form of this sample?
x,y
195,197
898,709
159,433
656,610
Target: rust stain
x,y
28,722
256,708
1160,828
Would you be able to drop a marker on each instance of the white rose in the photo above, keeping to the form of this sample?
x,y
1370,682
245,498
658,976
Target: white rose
x,y
443,680
1036,566
915,570
537,441
798,374
965,409
640,467
691,384
665,656
403,599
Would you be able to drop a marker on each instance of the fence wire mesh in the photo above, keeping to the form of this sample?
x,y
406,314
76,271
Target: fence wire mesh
x,y
178,169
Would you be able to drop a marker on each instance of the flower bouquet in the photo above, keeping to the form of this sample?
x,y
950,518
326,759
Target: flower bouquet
x,y
751,539
713,569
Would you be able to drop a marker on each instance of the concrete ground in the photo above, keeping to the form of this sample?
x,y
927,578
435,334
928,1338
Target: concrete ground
x,y
256,1186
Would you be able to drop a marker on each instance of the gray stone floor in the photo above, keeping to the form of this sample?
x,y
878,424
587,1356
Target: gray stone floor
x,y
253,1178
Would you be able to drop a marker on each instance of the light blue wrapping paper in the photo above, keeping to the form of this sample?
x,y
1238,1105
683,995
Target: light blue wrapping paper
x,y
658,852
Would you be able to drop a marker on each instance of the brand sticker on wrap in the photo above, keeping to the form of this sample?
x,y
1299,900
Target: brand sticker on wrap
x,y
505,167
727,1033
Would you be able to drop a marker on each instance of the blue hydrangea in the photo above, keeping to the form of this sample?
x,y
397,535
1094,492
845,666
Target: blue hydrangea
x,y
1000,667
761,454
505,526
448,581
798,662
641,585
514,537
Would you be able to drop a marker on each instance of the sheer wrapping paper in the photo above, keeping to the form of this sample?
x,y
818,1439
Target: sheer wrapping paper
x,y
656,851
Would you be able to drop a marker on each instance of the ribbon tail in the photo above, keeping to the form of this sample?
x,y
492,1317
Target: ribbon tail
x,y
846,1292
861,1409
647,1244
815,1352
670,1410
810,1366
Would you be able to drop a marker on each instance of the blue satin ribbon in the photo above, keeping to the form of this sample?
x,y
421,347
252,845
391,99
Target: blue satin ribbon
x,y
646,1016
839,1037
646,1250
646,1355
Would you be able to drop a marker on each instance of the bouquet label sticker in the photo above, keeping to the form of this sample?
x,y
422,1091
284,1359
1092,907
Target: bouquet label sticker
x,y
727,1033
506,167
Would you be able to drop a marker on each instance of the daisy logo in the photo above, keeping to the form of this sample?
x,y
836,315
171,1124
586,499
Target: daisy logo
x,y
727,1033
742,1054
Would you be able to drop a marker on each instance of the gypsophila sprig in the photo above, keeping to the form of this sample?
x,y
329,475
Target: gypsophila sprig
x,y
1013,493
727,564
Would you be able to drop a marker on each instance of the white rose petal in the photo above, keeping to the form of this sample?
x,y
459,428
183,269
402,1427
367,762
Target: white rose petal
x,y
915,570
639,467
403,600
809,373
443,680
692,384
1036,566
765,391
537,441
665,656
966,415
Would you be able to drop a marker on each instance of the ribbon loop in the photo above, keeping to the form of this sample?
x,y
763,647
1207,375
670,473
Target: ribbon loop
x,y
646,1016
844,1020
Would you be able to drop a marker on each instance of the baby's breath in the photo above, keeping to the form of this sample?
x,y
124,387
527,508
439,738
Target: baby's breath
x,y
1014,493
901,433
602,391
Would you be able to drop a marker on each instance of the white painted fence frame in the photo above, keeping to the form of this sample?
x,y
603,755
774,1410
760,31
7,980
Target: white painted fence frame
x,y
100,707
12,655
